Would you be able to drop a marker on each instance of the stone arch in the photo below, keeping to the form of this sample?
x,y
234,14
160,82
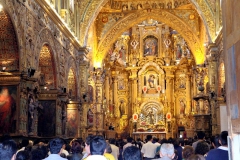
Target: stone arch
x,y
9,50
160,15
45,37
46,66
18,27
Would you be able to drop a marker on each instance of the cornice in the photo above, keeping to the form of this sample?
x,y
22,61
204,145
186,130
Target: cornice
x,y
57,20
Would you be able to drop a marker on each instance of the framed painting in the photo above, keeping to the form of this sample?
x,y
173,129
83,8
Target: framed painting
x,y
8,107
150,46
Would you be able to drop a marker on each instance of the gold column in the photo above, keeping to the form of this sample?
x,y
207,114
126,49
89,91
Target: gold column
x,y
106,86
133,77
115,95
188,94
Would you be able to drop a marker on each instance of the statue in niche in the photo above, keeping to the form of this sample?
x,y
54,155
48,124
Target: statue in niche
x,y
122,108
32,106
182,107
150,116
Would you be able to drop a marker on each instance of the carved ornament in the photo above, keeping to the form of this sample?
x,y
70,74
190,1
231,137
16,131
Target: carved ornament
x,y
161,15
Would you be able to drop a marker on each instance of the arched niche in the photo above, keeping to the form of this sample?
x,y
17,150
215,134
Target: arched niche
x,y
71,84
9,53
152,112
144,75
47,66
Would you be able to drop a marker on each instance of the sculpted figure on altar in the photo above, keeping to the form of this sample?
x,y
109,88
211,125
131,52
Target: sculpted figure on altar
x,y
122,108
151,117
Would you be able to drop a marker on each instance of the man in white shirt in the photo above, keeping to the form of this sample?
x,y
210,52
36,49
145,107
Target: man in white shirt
x,y
115,149
97,148
149,149
129,143
55,146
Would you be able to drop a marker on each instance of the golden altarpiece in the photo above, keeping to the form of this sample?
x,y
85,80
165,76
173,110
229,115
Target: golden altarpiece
x,y
149,71
148,82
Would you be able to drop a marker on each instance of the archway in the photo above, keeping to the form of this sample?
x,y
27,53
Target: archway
x,y
47,66
9,54
161,15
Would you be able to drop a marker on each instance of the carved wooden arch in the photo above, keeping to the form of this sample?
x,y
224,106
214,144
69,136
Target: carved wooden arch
x,y
148,64
160,15
91,10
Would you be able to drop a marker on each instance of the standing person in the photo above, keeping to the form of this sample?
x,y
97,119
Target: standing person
x,y
178,148
129,143
97,148
166,152
201,136
149,149
55,146
115,149
86,151
220,153
8,149
132,153
76,151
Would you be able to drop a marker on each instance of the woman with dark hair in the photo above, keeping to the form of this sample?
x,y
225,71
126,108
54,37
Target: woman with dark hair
x,y
202,148
76,151
187,152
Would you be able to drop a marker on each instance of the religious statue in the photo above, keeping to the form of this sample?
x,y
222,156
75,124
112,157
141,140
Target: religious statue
x,y
182,107
150,115
90,117
32,106
122,108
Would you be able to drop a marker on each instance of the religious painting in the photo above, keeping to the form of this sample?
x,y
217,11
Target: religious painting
x,y
90,118
118,52
8,98
72,120
121,84
47,119
151,83
150,46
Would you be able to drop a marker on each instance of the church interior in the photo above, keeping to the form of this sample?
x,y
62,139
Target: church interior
x,y
119,68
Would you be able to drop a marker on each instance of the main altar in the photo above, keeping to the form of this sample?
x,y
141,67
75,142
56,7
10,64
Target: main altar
x,y
147,74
